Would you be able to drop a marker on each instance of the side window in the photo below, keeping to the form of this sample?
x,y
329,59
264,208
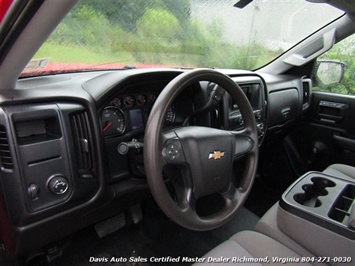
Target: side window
x,y
335,70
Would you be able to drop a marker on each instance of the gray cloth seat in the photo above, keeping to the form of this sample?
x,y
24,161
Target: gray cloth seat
x,y
341,170
268,224
251,248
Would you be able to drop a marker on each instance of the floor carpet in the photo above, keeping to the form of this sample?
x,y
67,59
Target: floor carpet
x,y
155,236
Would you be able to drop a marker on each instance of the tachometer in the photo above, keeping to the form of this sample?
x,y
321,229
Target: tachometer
x,y
113,121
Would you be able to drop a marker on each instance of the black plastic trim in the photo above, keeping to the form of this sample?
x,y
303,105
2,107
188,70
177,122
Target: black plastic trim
x,y
15,21
344,142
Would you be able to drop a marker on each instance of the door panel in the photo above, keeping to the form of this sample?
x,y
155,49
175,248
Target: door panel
x,y
326,134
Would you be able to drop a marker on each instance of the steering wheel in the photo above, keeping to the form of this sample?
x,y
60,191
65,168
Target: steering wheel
x,y
205,155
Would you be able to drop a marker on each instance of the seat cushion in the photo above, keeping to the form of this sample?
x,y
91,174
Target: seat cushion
x,y
251,248
267,225
341,170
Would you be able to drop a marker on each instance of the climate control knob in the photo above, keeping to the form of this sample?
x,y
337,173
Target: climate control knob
x,y
58,185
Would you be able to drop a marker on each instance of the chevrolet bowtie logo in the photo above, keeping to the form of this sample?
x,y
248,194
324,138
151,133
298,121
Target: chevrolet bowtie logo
x,y
216,155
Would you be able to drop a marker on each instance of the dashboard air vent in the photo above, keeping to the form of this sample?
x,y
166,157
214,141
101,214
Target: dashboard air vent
x,y
83,142
306,84
5,154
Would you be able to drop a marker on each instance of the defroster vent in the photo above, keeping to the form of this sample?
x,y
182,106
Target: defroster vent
x,y
5,154
83,142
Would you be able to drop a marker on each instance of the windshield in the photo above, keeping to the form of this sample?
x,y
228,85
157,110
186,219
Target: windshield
x,y
113,34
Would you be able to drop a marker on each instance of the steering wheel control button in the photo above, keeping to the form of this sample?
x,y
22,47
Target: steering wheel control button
x,y
217,97
173,151
58,185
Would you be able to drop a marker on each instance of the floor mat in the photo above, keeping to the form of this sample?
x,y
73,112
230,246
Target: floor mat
x,y
154,241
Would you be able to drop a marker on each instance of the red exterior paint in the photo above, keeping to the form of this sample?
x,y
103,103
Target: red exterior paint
x,y
4,6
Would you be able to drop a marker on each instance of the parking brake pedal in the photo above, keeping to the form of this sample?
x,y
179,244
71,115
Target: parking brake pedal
x,y
132,215
110,225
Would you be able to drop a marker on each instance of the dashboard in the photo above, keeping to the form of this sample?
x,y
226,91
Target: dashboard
x,y
60,137
125,112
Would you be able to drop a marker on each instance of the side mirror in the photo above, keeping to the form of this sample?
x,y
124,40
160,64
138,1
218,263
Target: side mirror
x,y
328,72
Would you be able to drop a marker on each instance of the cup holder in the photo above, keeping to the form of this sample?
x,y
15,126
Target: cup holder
x,y
312,191
322,182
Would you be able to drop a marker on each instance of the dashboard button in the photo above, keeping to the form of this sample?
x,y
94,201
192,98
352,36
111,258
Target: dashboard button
x,y
33,191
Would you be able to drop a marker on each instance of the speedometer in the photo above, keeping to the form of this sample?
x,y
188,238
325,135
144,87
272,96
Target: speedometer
x,y
113,121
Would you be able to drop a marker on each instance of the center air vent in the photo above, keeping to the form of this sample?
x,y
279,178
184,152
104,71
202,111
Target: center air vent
x,y
5,154
83,142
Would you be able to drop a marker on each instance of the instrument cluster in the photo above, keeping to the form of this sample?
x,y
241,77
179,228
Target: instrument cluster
x,y
127,113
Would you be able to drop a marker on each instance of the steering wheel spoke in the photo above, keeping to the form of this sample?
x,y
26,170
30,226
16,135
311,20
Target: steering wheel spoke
x,y
187,200
243,144
230,194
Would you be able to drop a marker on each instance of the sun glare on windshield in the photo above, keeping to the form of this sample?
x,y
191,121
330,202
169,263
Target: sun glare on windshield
x,y
110,34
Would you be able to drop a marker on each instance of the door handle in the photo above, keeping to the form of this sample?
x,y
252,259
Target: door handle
x,y
330,118
331,112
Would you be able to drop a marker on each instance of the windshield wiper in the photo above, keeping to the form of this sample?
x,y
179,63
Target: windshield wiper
x,y
129,67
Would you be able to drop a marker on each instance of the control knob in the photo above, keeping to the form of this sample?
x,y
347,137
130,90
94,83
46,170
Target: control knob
x,y
58,185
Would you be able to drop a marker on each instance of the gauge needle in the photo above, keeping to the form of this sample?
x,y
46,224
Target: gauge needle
x,y
107,126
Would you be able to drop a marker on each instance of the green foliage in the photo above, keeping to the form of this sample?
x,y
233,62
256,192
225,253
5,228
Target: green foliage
x,y
125,12
158,24
148,32
84,27
343,52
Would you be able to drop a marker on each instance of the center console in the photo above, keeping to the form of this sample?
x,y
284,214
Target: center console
x,y
316,219
324,200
